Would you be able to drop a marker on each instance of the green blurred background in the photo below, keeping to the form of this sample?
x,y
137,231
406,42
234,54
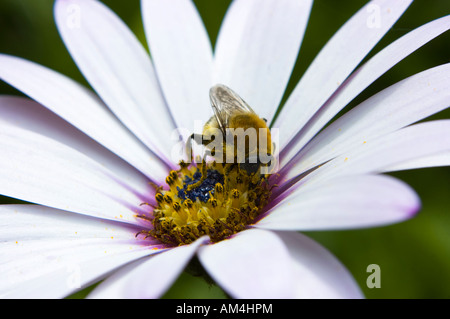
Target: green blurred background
x,y
414,256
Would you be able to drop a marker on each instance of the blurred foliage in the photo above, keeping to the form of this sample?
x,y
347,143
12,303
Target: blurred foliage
x,y
414,256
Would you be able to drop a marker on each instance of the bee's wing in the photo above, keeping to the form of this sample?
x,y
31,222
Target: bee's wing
x,y
225,102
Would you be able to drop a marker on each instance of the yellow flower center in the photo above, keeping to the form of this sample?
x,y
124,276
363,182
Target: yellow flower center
x,y
211,199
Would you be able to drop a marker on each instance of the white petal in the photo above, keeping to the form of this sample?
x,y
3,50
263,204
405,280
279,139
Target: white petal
x,y
366,75
338,58
407,144
344,203
82,109
317,273
257,47
252,264
182,54
435,160
29,115
403,103
147,278
37,169
118,68
50,253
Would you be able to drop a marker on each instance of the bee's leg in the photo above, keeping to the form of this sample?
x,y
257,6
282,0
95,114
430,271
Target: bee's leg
x,y
200,181
147,233
147,204
197,138
145,217
229,167
189,148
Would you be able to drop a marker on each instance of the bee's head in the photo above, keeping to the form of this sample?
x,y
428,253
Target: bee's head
x,y
251,164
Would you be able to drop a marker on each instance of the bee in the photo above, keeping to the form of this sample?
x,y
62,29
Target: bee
x,y
240,136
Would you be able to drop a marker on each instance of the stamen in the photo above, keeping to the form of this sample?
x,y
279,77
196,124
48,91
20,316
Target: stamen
x,y
211,199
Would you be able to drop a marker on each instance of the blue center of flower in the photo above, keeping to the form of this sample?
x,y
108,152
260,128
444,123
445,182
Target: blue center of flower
x,y
203,191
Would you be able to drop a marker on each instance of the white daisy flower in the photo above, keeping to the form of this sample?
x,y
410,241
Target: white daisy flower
x,y
113,203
